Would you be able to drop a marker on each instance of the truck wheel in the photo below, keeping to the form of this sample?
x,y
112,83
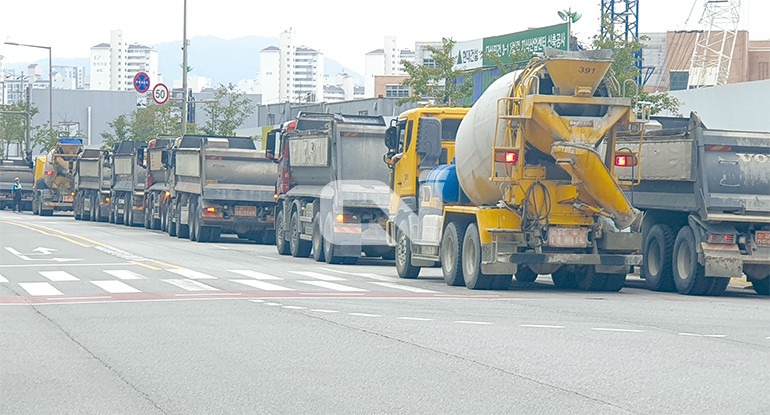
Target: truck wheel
x,y
656,262
525,274
688,273
762,287
94,209
328,242
194,224
318,240
128,216
268,237
280,234
589,280
564,278
404,252
77,208
182,231
147,213
299,248
170,225
501,282
471,260
451,255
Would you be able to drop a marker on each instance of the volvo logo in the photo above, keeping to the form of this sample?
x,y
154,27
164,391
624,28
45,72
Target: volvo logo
x,y
759,158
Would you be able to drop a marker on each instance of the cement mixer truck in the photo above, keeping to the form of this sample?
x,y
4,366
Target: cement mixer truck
x,y
518,187
54,177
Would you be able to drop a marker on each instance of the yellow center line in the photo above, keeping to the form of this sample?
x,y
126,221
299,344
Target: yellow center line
x,y
62,236
145,265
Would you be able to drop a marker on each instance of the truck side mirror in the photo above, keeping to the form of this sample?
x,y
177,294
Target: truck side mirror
x,y
140,157
272,137
391,138
429,142
164,159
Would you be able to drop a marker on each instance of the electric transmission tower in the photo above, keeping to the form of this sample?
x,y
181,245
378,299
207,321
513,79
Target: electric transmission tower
x,y
714,46
620,19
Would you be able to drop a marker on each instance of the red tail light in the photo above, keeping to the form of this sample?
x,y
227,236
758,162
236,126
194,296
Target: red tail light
x,y
715,238
49,173
211,210
507,157
718,148
625,160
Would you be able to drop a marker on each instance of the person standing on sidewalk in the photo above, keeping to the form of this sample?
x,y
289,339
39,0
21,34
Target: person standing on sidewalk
x,y
16,190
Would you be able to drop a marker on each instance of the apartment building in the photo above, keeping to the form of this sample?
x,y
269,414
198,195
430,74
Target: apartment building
x,y
113,65
291,72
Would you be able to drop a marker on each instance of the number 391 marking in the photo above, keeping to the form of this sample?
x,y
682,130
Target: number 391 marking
x,y
586,70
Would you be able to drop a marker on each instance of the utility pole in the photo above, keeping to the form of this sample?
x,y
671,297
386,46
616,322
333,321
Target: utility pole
x,y
184,70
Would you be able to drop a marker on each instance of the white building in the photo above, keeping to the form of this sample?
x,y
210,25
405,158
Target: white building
x,y
68,77
195,83
291,73
113,65
385,61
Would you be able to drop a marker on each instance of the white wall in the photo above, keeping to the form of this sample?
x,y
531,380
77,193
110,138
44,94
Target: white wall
x,y
744,106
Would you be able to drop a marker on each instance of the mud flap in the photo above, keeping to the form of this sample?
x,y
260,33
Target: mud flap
x,y
721,260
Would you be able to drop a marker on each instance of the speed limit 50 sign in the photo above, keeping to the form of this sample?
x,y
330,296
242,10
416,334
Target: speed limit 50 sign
x,y
160,94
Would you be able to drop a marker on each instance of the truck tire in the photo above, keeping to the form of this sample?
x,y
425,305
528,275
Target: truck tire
x,y
564,278
501,282
182,231
328,243
299,248
471,260
147,213
170,225
451,251
194,224
77,207
656,262
525,274
688,273
268,237
588,279
280,234
404,265
318,240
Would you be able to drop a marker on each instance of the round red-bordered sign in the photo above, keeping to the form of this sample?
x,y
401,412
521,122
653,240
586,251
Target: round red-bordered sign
x,y
160,94
142,82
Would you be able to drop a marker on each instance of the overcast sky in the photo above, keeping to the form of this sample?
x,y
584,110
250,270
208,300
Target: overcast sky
x,y
341,29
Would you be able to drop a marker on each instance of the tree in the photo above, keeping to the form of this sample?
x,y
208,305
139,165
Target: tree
x,y
227,112
144,125
449,87
13,127
121,131
626,72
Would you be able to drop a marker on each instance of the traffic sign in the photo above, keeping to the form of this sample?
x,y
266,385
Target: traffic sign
x,y
142,82
160,94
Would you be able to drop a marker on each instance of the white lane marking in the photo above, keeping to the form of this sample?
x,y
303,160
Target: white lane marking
x,y
321,310
261,285
257,301
125,274
3,279
59,276
363,274
333,286
767,338
404,287
17,253
294,307
472,322
703,335
273,304
39,288
414,318
618,330
190,285
115,287
267,257
188,273
111,264
254,274
222,247
364,315
206,294
317,275
541,326
95,297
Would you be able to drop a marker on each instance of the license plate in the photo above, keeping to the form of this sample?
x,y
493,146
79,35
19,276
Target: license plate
x,y
246,211
568,237
68,198
762,238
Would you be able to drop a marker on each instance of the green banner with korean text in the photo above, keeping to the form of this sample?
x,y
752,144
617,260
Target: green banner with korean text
x,y
533,40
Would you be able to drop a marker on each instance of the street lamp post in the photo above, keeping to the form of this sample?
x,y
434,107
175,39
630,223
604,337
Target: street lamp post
x,y
50,78
184,70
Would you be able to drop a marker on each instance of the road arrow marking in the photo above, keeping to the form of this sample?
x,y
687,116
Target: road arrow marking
x,y
44,251
26,258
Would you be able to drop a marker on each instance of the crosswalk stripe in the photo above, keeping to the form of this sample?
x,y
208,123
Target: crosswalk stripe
x,y
266,286
404,287
59,276
254,274
125,274
190,285
188,273
3,279
317,275
333,286
115,287
39,288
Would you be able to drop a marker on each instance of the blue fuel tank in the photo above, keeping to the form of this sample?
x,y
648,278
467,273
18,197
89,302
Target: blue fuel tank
x,y
444,183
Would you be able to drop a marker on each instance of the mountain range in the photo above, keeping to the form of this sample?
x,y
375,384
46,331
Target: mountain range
x,y
221,60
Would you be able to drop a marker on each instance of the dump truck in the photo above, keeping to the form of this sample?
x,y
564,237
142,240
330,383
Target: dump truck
x,y
127,182
10,169
705,194
54,188
92,185
220,185
523,192
157,193
331,192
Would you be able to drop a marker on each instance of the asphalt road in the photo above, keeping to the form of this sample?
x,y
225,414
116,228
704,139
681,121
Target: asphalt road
x,y
105,319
